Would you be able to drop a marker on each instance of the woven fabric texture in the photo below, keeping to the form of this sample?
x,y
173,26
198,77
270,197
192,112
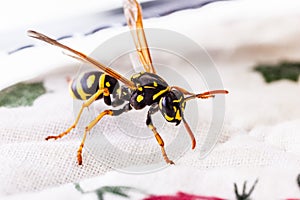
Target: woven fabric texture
x,y
261,127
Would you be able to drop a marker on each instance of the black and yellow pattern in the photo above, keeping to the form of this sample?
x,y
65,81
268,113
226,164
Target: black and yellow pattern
x,y
150,90
150,87
144,89
85,85
88,83
172,106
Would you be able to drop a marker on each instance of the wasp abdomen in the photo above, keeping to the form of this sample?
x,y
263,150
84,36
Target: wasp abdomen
x,y
88,83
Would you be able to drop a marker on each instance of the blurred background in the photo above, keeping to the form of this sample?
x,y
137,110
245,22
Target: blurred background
x,y
70,17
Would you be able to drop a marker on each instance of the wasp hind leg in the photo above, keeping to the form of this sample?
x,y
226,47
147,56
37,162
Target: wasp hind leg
x,y
153,109
126,108
84,105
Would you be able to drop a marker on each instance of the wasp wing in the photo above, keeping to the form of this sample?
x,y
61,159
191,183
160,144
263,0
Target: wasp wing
x,y
134,17
83,57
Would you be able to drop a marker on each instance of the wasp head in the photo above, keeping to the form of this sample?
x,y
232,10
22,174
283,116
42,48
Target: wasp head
x,y
172,106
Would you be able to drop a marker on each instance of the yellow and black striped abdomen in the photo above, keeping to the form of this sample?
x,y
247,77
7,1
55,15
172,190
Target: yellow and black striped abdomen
x,y
88,83
85,85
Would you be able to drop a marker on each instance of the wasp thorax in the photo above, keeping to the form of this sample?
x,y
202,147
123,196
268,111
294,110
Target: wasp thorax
x,y
172,106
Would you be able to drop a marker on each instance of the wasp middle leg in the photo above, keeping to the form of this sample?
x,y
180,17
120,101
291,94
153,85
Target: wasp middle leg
x,y
126,108
153,109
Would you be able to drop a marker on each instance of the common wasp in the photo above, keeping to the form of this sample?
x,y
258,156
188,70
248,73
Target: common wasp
x,y
143,89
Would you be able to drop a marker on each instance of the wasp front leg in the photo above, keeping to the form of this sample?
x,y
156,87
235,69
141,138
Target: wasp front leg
x,y
153,109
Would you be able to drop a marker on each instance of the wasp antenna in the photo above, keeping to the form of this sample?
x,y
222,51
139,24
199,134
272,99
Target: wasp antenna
x,y
206,95
184,91
212,93
190,132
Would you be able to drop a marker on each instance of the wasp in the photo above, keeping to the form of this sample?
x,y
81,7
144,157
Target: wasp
x,y
144,89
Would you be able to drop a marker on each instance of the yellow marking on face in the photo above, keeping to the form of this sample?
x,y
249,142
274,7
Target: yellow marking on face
x,y
107,84
155,84
160,104
168,118
140,88
177,101
182,106
174,108
139,98
160,93
182,109
90,80
178,116
101,82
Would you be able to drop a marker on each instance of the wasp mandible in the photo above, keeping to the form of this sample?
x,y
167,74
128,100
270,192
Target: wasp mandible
x,y
143,89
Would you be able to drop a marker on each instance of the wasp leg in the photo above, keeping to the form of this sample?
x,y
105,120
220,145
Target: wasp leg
x,y
205,96
126,108
153,109
84,105
106,97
